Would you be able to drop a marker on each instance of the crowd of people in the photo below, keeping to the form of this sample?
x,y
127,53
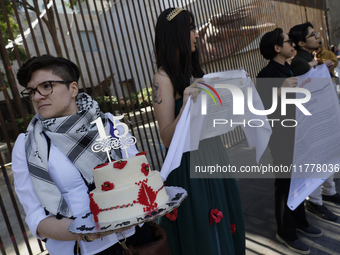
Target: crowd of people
x,y
278,47
53,162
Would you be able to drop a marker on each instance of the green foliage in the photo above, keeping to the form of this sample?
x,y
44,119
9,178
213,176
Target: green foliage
x,y
74,2
3,24
14,27
6,34
129,103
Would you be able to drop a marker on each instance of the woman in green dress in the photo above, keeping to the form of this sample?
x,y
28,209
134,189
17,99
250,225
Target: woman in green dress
x,y
210,220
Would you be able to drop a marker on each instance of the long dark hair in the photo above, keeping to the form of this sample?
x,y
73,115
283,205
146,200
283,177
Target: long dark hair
x,y
173,49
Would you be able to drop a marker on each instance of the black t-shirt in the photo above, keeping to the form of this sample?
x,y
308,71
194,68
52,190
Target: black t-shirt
x,y
300,62
281,142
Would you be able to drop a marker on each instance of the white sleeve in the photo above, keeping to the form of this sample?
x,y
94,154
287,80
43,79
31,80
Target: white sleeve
x,y
24,187
132,150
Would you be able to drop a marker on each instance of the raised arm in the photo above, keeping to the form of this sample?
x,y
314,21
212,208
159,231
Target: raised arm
x,y
164,104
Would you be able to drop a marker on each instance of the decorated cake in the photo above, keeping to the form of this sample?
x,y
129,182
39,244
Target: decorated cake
x,y
125,189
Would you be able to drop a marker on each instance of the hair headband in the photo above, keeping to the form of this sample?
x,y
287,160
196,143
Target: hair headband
x,y
174,13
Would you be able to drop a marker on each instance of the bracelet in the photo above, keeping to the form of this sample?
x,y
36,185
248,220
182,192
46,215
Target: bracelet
x,y
85,238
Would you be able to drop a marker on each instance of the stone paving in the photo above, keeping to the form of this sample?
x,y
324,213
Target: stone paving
x,y
257,197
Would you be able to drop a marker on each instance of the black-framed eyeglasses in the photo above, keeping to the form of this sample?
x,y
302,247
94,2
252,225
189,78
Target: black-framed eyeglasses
x,y
45,88
289,41
315,34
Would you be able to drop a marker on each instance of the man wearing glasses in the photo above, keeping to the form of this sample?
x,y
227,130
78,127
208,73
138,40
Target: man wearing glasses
x,y
307,40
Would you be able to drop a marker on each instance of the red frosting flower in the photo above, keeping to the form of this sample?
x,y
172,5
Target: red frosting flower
x,y
120,164
172,215
145,169
101,165
215,215
141,153
107,186
233,228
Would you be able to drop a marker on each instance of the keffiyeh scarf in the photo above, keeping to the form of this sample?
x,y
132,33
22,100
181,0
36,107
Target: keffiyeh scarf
x,y
74,136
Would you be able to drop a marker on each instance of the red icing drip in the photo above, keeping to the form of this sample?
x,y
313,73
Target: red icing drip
x,y
94,208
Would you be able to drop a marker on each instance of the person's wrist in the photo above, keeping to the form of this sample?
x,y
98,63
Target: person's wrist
x,y
86,238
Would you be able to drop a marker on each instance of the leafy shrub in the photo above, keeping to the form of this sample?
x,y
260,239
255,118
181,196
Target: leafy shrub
x,y
129,103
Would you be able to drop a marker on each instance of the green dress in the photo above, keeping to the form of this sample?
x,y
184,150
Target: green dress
x,y
191,233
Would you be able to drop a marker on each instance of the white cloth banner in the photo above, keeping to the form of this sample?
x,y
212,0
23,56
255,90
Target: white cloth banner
x,y
317,136
186,139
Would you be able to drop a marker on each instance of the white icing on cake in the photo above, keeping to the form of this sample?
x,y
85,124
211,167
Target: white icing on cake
x,y
131,191
120,177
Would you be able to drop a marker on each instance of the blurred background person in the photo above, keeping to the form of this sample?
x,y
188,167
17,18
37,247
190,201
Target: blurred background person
x,y
336,51
323,55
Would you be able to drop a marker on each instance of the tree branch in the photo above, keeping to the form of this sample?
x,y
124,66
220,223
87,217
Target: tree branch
x,y
29,6
45,20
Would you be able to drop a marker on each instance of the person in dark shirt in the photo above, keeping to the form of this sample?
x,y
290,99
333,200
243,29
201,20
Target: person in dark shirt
x,y
277,47
307,40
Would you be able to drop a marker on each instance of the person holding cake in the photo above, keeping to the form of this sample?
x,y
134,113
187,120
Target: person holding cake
x,y
53,162
210,219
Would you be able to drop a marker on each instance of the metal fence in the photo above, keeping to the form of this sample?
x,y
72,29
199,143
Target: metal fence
x,y
112,43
